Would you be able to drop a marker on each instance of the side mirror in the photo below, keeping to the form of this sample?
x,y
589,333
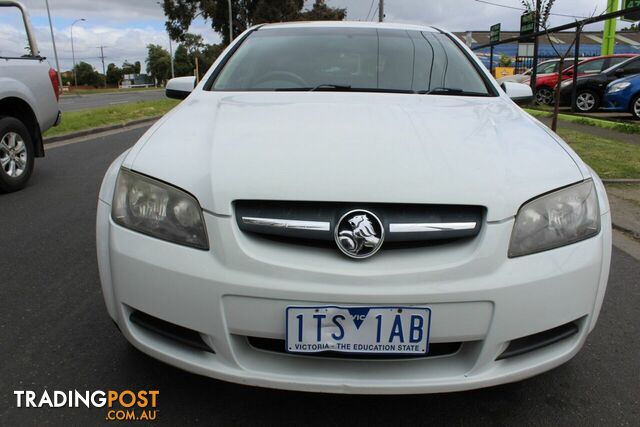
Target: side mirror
x,y
180,87
568,73
620,72
519,93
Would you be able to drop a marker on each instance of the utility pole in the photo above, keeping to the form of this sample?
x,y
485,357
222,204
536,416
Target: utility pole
x,y
230,23
53,41
73,53
173,73
381,11
104,72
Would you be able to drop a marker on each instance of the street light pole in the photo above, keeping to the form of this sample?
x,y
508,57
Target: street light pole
x,y
173,73
230,23
73,53
53,41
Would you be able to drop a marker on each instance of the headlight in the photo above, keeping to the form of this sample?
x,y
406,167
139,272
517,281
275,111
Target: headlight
x,y
556,219
566,83
159,210
618,87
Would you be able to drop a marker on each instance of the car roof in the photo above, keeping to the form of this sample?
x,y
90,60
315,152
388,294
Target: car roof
x,y
348,24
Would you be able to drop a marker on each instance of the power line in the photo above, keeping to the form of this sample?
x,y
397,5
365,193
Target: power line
x,y
374,13
523,9
370,7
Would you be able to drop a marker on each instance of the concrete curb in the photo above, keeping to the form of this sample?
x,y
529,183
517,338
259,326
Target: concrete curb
x,y
92,131
621,181
631,233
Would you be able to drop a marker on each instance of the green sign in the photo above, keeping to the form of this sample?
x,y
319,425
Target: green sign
x,y
527,24
631,17
494,35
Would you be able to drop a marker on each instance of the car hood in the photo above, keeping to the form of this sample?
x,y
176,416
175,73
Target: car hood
x,y
355,147
635,78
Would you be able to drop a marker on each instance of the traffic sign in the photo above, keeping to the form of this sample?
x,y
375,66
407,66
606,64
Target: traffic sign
x,y
631,17
494,35
527,24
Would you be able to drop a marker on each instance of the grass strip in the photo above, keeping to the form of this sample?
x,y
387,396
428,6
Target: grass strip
x,y
588,121
610,158
73,121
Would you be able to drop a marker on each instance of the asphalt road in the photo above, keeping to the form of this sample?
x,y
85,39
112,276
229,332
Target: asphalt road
x,y
55,334
83,102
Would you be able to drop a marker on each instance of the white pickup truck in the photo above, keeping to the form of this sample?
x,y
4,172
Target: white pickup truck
x,y
29,94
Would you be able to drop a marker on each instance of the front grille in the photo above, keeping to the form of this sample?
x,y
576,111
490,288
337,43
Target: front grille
x,y
278,346
313,223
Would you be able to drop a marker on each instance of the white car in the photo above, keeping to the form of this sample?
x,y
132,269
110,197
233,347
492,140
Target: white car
x,y
353,208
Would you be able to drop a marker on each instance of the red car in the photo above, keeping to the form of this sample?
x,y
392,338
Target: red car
x,y
546,83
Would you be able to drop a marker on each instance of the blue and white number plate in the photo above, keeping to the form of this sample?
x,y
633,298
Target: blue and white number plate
x,y
384,330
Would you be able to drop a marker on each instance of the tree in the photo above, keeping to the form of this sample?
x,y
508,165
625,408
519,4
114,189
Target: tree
x,y
128,68
182,62
86,75
114,74
245,13
158,62
505,61
193,47
321,12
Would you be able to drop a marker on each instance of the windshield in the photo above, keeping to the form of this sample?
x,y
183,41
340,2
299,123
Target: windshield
x,y
358,59
547,68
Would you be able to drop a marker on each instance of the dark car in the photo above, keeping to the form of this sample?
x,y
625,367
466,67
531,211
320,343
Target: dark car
x,y
591,88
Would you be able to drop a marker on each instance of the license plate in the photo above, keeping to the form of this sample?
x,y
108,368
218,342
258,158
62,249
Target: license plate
x,y
382,330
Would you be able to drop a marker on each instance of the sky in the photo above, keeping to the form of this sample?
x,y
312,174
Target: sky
x,y
125,27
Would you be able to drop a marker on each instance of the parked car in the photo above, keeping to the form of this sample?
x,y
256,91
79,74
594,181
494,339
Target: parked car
x,y
545,85
623,95
591,88
29,93
545,67
363,210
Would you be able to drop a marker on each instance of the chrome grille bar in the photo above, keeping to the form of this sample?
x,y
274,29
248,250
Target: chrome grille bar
x,y
288,223
428,227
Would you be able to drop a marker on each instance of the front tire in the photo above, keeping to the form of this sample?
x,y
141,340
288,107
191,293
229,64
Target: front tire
x,y
16,155
587,101
635,107
544,96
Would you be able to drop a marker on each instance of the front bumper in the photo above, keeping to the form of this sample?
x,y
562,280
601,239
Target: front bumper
x,y
240,289
617,101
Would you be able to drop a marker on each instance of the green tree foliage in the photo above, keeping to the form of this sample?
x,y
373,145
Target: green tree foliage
x,y
191,48
86,75
505,61
245,13
182,62
158,62
128,67
114,74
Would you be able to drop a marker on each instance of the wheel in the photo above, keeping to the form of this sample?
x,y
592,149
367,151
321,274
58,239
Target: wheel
x,y
544,96
16,155
587,101
635,106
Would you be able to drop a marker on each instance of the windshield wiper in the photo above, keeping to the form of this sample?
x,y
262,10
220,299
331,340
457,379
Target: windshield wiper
x,y
449,91
330,86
